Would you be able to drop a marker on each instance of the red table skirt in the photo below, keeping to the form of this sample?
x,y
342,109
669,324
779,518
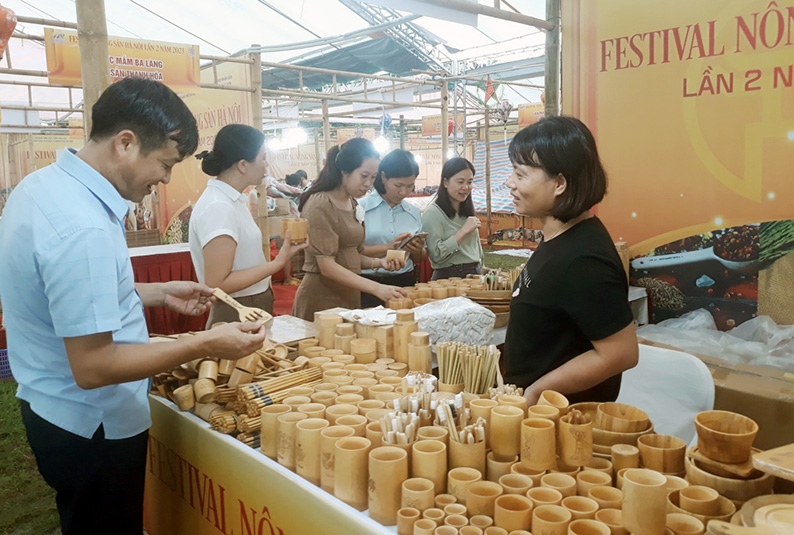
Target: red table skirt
x,y
164,268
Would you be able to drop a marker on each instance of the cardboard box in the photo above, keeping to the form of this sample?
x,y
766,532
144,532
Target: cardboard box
x,y
759,392
282,208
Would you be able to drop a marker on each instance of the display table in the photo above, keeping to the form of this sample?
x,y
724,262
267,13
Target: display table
x,y
163,263
199,481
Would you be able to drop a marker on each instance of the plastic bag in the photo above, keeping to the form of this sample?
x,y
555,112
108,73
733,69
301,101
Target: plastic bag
x,y
456,319
759,341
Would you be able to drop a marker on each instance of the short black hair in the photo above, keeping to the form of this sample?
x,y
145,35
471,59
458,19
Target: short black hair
x,y
562,145
397,164
301,173
293,180
234,142
150,109
450,169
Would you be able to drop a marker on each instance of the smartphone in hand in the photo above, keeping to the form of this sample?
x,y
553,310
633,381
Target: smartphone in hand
x,y
416,237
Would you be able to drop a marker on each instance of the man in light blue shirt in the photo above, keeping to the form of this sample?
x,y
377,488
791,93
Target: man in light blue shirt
x,y
77,337
389,220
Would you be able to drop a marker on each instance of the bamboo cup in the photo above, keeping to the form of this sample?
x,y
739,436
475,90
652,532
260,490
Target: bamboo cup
x,y
474,530
384,341
606,497
293,402
350,471
356,421
435,514
345,358
433,433
512,512
562,468
458,479
534,475
481,408
400,367
406,518
287,431
555,399
464,454
332,354
204,390
313,410
225,367
550,520
481,521
184,397
495,530
298,229
364,349
619,477
576,442
420,355
367,405
682,524
345,329
587,479
699,500
325,397
403,327
496,469
587,527
335,411
328,438
515,484
315,360
511,400
625,456
600,465
208,369
544,411
663,453
374,433
580,507
442,500
538,443
562,482
456,521
342,342
301,391
375,415
307,448
308,342
357,367
388,468
418,492
349,399
326,387
544,496
455,509
325,323
644,502
206,410
446,530
480,497
424,526
675,482
505,431
613,518
429,461
269,430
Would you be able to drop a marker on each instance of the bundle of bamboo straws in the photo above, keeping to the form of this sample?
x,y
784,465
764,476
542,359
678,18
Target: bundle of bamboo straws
x,y
474,366
461,431
399,427
501,280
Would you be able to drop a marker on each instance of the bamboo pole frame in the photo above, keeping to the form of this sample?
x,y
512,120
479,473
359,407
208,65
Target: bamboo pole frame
x,y
92,33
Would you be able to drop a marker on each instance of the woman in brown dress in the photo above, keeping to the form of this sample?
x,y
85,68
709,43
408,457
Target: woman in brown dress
x,y
336,234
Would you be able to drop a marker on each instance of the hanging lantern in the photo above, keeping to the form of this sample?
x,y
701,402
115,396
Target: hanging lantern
x,y
504,108
543,97
450,127
385,123
8,21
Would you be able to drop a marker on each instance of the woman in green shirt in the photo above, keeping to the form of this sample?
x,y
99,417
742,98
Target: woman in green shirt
x,y
453,240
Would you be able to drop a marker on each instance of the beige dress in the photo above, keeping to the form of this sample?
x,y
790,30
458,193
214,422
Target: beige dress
x,y
332,233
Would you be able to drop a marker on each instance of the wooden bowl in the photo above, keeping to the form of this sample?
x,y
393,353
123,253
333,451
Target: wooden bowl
x,y
621,418
726,508
725,436
735,489
663,453
609,438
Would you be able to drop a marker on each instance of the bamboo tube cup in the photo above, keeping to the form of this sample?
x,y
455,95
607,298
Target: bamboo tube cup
x,y
481,408
326,323
433,433
388,468
544,496
307,448
699,500
644,502
576,442
328,438
402,331
600,465
418,493
287,432
184,397
374,433
464,454
663,453
335,411
204,390
512,512
496,469
480,497
350,471
356,421
269,430
587,479
442,500
364,350
406,518
555,399
613,518
563,483
588,527
325,397
420,356
580,507
481,521
455,509
606,497
424,526
511,400
429,461
208,369
682,524
313,410
534,475
538,444
625,456
505,432
515,484
456,521
551,520
458,479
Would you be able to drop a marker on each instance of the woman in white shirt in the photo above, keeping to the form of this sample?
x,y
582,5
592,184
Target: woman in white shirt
x,y
225,241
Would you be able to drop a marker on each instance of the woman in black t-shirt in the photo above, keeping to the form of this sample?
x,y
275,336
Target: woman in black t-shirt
x,y
571,328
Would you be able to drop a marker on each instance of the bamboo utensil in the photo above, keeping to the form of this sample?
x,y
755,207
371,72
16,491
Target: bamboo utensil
x,y
254,315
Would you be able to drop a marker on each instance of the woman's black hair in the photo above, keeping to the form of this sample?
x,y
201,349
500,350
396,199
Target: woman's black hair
x,y
397,164
151,110
345,158
450,169
562,145
301,173
234,142
293,180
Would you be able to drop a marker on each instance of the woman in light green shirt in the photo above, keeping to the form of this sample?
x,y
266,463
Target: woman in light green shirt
x,y
453,240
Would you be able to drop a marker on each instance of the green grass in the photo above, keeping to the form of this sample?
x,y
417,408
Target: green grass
x,y
496,261
28,503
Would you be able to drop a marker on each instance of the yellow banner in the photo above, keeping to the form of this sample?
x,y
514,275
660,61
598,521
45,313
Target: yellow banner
x,y
691,104
176,65
431,124
346,134
201,482
29,152
530,113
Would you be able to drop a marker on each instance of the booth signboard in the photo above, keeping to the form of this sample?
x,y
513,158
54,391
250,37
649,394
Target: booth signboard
x,y
174,64
530,113
690,103
431,124
346,134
